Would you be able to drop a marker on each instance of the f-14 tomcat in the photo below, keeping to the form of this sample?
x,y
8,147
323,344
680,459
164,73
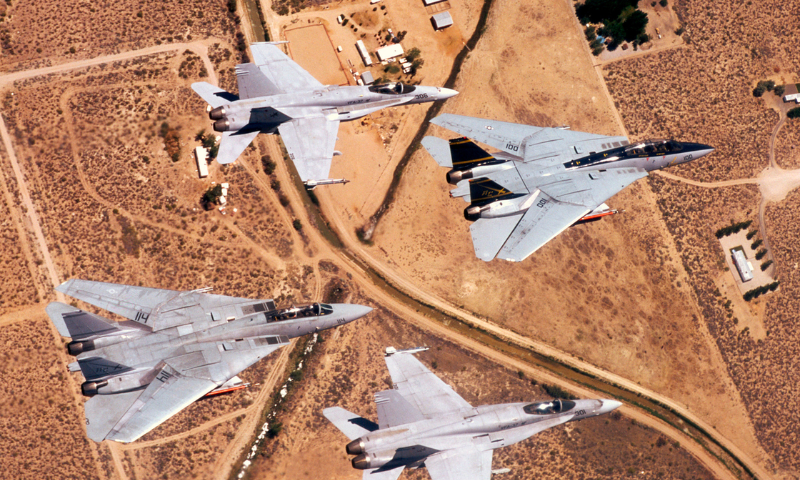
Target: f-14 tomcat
x,y
422,422
277,96
542,180
175,348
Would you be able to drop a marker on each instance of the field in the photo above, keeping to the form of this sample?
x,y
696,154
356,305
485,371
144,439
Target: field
x,y
612,293
104,187
311,46
348,368
694,107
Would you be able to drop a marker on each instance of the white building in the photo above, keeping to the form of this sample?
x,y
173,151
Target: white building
x,y
431,2
392,51
791,93
742,265
202,161
362,50
442,20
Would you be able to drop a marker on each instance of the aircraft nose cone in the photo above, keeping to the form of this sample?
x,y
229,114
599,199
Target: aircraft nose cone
x,y
609,406
447,93
351,312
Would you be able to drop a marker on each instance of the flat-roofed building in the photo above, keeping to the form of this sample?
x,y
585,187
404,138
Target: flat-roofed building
x,y
367,78
742,265
202,161
790,93
362,50
385,53
442,20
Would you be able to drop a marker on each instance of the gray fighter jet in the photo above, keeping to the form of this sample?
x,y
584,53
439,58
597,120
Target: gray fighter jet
x,y
543,180
422,422
277,96
175,348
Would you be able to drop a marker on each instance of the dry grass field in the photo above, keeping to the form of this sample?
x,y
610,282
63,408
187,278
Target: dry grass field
x,y
787,145
612,293
349,369
75,30
310,46
703,93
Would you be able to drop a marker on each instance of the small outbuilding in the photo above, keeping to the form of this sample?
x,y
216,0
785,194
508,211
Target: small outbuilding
x,y
442,20
742,265
391,51
790,93
202,161
367,78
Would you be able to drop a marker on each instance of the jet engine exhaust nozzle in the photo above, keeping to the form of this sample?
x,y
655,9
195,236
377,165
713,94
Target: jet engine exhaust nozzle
x,y
89,389
75,348
361,462
222,125
355,447
472,213
455,176
217,113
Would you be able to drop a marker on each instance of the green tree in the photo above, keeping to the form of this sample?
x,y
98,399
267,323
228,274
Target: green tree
x,y
779,90
793,113
634,25
413,54
766,265
212,196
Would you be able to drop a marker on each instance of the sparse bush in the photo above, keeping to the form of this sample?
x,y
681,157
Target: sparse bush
x,y
268,164
663,3
557,392
297,224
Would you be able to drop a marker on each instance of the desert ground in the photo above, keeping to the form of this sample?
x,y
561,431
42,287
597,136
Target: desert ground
x,y
98,182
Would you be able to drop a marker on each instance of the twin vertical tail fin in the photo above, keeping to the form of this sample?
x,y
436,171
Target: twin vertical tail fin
x,y
465,154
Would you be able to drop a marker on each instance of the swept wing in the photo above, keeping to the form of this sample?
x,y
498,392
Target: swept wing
x,y
547,146
462,464
310,143
157,308
418,393
178,382
282,74
560,201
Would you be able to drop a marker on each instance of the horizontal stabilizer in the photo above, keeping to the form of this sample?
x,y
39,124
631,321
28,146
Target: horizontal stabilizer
x,y
439,149
352,425
394,410
465,154
77,324
214,96
485,190
99,367
233,144
381,474
104,411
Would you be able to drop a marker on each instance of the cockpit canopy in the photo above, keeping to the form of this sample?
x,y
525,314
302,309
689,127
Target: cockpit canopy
x,y
654,148
293,313
546,408
394,88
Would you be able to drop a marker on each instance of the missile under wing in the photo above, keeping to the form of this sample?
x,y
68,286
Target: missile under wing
x,y
174,348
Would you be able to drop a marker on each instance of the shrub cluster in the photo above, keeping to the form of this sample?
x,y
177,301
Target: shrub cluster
x,y
733,228
754,293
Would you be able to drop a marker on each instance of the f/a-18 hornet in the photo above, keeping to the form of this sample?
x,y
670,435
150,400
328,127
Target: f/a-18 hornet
x,y
277,96
175,348
422,422
543,180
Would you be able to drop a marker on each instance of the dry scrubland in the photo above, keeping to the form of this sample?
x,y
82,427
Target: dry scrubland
x,y
612,293
75,30
41,427
348,369
114,207
17,288
787,145
703,93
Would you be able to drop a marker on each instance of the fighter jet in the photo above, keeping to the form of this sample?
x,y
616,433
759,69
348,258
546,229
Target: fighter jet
x,y
277,96
422,422
543,180
175,348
